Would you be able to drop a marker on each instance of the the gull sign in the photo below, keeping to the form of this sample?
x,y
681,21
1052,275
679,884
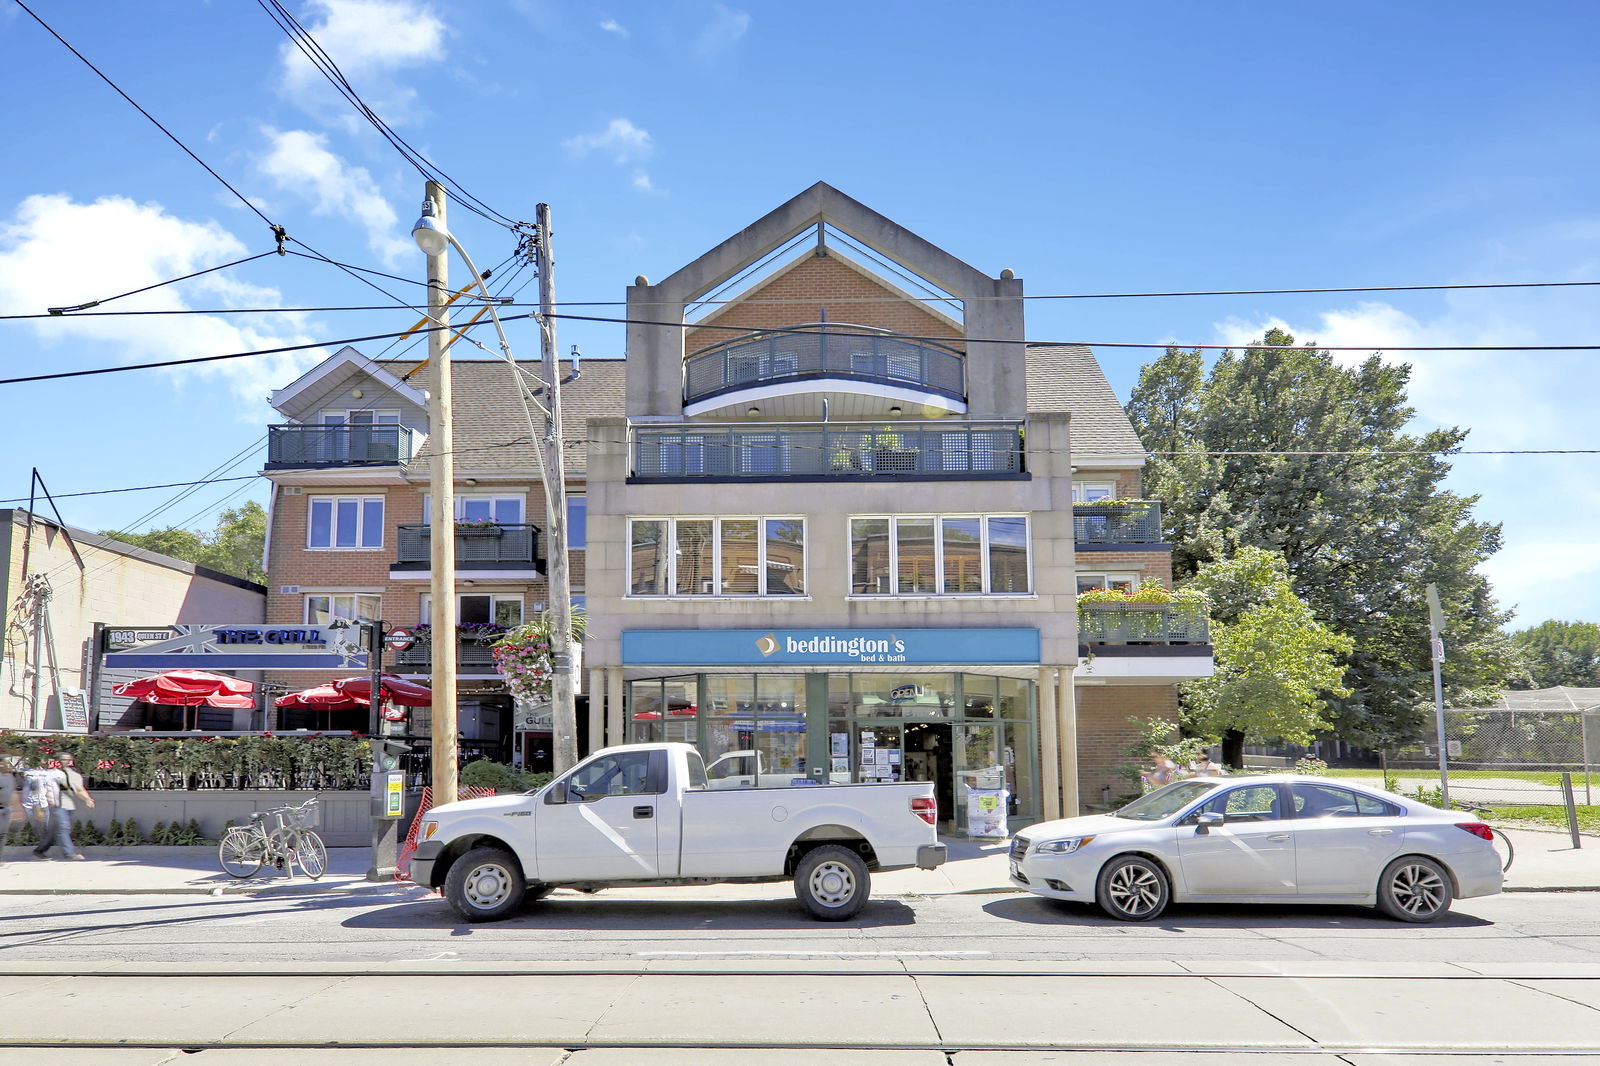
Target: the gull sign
x,y
230,646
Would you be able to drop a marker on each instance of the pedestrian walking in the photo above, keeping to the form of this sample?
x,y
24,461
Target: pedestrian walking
x,y
10,799
1165,773
71,795
1204,767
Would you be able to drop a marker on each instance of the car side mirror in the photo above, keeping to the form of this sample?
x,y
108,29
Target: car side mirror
x,y
1204,822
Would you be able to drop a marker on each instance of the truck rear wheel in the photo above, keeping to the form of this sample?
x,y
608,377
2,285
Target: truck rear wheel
x,y
832,883
485,884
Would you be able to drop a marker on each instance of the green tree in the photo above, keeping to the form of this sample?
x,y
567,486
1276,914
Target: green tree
x,y
1559,653
1285,449
234,547
1276,665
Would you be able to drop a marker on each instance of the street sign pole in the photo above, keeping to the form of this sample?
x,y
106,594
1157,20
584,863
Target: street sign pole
x,y
1436,653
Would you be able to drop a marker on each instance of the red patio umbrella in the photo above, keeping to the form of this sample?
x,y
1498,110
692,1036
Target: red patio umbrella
x,y
321,698
391,688
190,688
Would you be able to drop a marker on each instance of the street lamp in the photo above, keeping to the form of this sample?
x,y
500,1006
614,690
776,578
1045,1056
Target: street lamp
x,y
433,237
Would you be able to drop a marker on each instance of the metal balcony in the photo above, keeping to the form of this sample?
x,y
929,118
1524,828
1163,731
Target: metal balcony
x,y
305,447
955,450
474,654
1143,623
1135,522
825,350
491,547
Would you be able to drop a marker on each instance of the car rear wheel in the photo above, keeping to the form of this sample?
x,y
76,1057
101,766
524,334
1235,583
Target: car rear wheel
x,y
1414,889
485,884
1133,889
832,883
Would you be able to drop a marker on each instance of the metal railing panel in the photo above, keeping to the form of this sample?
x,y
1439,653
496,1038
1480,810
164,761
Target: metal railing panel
x,y
1138,522
781,357
817,449
493,544
1142,623
299,445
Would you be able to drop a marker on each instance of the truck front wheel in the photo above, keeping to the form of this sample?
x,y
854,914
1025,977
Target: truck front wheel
x,y
832,883
485,884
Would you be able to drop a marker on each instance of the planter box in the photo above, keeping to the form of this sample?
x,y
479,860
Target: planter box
x,y
344,819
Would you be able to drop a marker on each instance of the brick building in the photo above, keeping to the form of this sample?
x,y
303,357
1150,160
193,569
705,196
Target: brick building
x,y
835,518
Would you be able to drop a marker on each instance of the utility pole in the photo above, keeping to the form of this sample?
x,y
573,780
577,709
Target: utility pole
x,y
442,516
563,704
1436,653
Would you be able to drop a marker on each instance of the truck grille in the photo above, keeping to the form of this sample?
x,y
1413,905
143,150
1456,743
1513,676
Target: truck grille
x,y
1019,848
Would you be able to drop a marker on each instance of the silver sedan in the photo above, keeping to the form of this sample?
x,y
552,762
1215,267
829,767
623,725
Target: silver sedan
x,y
1282,838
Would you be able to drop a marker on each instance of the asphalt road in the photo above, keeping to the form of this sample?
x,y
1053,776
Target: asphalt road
x,y
407,926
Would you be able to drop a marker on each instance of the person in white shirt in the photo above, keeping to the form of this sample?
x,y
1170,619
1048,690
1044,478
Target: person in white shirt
x,y
73,796
10,801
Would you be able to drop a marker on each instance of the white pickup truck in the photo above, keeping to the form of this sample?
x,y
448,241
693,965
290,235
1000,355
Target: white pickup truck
x,y
644,814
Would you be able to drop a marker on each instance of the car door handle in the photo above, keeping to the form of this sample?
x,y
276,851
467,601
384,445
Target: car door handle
x,y
1278,838
1380,832
644,812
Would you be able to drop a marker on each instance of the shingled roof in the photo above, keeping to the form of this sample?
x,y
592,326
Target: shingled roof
x,y
491,435
1066,377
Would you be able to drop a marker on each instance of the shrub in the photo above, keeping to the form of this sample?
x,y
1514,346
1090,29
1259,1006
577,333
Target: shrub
x,y
1313,766
500,776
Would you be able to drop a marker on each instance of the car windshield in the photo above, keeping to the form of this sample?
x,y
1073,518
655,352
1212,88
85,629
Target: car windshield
x,y
1167,801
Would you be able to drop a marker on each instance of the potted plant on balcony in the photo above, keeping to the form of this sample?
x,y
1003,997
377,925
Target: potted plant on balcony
x,y
478,527
889,453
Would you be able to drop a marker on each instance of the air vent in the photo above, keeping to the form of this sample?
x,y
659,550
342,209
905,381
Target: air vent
x,y
292,490
288,590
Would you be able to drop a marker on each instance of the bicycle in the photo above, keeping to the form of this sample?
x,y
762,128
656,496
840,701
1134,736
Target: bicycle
x,y
286,843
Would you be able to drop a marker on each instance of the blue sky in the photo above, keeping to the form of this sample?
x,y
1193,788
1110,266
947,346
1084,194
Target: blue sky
x,y
1089,148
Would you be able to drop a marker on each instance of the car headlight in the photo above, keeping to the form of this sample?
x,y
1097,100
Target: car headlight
x,y
1061,847
428,829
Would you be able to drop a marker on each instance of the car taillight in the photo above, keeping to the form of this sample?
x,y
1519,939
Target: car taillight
x,y
926,808
1477,829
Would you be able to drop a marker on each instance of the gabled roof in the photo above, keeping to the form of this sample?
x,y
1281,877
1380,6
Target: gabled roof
x,y
1066,377
491,431
344,363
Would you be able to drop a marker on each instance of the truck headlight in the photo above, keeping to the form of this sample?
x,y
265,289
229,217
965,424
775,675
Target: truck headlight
x,y
1061,847
428,829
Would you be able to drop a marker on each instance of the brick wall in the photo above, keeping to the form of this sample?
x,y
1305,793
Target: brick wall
x,y
1104,732
813,284
1151,566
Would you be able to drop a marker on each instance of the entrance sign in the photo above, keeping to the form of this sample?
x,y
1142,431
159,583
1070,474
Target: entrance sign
x,y
232,646
830,647
399,640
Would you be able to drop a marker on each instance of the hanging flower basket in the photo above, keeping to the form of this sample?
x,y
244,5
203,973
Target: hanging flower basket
x,y
522,656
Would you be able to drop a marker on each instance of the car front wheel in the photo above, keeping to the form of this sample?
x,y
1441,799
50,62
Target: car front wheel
x,y
485,884
1414,889
1133,889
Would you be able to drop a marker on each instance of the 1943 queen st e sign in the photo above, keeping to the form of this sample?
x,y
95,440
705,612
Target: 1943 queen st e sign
x,y
232,646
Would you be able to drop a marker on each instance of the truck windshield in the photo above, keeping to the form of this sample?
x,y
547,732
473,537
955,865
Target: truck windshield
x,y
697,772
1166,801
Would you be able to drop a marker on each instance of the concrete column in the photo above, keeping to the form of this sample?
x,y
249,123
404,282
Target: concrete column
x,y
1067,708
597,707
1049,758
615,733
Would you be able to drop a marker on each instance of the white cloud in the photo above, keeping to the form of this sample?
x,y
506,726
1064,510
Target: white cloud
x,y
299,162
621,140
114,245
722,32
611,25
370,41
641,181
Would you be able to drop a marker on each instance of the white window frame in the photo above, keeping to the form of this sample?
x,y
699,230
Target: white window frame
x,y
712,586
354,605
1108,578
1090,491
333,523
938,521
495,599
462,497
334,417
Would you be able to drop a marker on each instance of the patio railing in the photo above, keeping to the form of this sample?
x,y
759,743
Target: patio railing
x,y
833,350
1135,522
1143,623
318,446
957,448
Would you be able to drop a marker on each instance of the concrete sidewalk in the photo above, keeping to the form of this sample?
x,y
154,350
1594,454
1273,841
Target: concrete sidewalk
x,y
1545,861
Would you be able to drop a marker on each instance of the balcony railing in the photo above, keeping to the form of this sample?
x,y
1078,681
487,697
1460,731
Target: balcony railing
x,y
1133,522
1143,623
813,450
474,653
477,548
833,350
316,446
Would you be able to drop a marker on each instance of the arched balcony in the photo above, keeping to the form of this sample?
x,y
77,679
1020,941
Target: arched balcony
x,y
824,357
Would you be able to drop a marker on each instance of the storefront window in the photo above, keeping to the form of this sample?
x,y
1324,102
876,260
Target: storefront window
x,y
978,692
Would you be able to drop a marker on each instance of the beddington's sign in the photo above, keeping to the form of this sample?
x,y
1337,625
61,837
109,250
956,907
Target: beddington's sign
x,y
829,647
231,646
